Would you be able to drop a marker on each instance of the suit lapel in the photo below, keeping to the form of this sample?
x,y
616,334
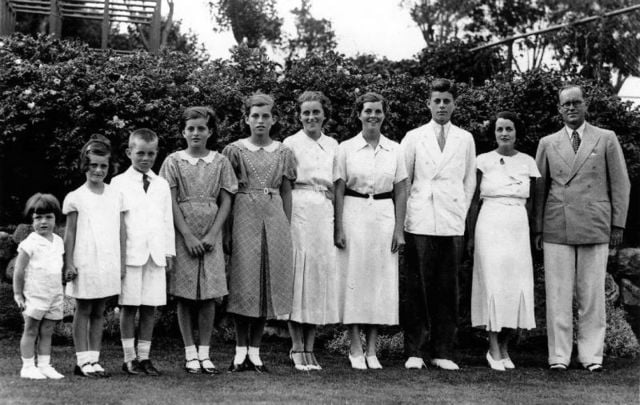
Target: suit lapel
x,y
450,147
588,142
430,144
564,148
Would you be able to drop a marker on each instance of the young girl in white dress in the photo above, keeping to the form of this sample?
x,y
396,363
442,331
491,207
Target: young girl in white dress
x,y
94,252
37,286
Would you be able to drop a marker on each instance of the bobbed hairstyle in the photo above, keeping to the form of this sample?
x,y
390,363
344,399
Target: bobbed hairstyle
x,y
369,97
98,145
258,100
193,113
506,115
143,134
444,86
311,95
42,204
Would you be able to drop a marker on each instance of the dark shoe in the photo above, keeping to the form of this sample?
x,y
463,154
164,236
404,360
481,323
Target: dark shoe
x,y
131,367
208,367
148,368
83,371
558,367
593,367
236,368
250,366
99,371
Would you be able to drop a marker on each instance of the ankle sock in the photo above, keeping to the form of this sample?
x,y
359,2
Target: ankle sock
x,y
28,362
82,358
241,355
144,347
254,355
44,360
203,352
128,349
94,356
190,352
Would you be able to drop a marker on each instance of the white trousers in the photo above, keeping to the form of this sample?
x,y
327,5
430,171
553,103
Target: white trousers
x,y
579,268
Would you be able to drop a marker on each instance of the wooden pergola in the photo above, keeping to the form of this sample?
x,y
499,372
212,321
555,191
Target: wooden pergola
x,y
145,12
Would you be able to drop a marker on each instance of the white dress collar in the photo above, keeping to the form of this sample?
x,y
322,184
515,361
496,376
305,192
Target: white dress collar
x,y
254,148
194,160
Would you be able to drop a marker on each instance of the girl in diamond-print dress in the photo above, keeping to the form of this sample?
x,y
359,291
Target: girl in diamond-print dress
x,y
261,273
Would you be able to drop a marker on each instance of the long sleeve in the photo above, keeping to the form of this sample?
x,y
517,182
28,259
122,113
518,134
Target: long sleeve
x,y
409,150
541,187
470,179
619,184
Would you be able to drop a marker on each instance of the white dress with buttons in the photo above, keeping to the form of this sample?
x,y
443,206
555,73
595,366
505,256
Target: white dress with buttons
x,y
502,288
368,269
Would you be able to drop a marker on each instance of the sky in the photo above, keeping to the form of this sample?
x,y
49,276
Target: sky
x,y
379,27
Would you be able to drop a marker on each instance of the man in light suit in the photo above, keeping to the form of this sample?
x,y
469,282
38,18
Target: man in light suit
x,y
581,209
441,165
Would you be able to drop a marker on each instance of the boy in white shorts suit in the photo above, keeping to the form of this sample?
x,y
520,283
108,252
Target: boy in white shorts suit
x,y
150,249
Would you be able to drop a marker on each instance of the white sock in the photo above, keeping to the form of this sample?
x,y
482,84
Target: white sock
x,y
241,355
44,360
254,355
94,356
190,352
144,347
82,358
203,352
129,349
28,362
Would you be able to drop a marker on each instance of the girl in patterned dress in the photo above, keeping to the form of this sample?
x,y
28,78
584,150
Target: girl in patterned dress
x,y
261,274
202,183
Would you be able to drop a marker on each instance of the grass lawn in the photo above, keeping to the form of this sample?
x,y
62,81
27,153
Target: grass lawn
x,y
337,383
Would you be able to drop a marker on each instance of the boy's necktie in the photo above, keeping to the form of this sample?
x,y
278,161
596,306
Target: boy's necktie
x,y
441,138
145,182
575,141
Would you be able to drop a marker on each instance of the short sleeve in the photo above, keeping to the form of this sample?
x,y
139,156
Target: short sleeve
x,y
289,164
27,246
533,168
232,153
228,180
70,203
168,171
340,164
481,162
401,167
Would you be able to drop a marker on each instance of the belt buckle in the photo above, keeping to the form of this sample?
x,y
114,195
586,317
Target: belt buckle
x,y
265,191
370,197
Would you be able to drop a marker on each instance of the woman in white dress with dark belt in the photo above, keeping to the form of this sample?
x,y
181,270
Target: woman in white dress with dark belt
x,y
315,292
502,289
370,184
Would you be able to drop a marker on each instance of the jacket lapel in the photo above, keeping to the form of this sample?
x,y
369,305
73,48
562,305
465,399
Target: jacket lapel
x,y
430,144
450,147
564,148
588,142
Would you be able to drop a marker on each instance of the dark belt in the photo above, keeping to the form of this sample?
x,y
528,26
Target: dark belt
x,y
381,196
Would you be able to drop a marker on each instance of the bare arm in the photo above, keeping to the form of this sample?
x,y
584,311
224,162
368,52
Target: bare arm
x,y
18,278
285,194
472,215
194,246
339,238
224,208
70,271
400,205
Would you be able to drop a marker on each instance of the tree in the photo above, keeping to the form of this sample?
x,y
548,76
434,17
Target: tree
x,y
252,21
439,20
312,35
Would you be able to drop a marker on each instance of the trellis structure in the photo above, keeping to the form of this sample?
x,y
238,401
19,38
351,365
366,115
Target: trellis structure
x,y
145,12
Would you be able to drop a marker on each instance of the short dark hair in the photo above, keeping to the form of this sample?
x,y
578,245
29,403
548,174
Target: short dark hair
x,y
369,97
193,113
444,86
318,96
42,204
144,134
507,115
98,145
258,100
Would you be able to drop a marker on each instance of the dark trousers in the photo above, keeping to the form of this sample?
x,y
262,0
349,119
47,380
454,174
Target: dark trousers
x,y
429,294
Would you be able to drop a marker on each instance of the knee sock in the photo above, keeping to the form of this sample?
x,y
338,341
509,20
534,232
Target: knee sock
x,y
190,352
144,347
254,355
129,349
241,355
203,352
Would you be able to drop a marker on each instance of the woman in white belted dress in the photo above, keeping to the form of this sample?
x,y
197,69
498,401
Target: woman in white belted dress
x,y
370,185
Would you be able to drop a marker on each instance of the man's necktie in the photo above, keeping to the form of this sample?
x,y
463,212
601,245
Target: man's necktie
x,y
145,182
441,139
575,141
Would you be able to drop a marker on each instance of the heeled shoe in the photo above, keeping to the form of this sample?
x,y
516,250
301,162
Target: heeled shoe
x,y
312,362
298,359
508,364
494,364
373,363
357,362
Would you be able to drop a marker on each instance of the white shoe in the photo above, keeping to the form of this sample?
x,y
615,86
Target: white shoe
x,y
494,364
373,363
445,364
50,372
508,364
357,362
31,373
414,363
